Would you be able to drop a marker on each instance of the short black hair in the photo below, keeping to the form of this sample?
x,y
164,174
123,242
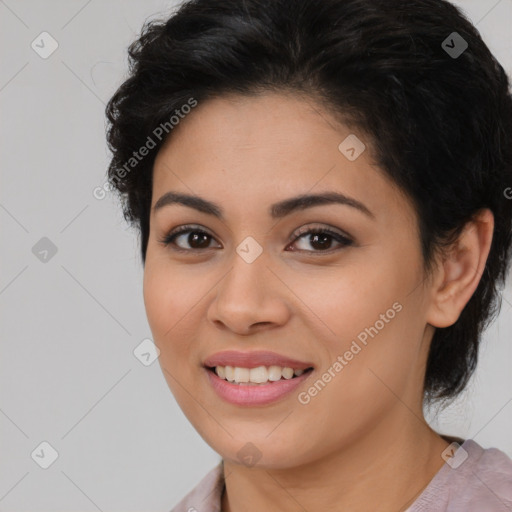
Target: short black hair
x,y
437,116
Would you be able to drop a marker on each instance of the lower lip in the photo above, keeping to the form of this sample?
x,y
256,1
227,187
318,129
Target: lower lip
x,y
259,394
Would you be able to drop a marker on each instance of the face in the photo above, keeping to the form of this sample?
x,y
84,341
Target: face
x,y
334,286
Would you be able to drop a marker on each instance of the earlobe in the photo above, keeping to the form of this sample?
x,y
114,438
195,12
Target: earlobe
x,y
459,272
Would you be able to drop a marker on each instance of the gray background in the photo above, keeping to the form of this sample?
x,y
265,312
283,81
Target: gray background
x,y
70,323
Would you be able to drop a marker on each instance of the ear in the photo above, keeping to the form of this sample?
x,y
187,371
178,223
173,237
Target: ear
x,y
458,274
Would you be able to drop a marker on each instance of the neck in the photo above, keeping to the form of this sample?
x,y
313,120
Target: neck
x,y
385,470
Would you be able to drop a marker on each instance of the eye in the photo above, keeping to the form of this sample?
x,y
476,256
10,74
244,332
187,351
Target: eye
x,y
198,239
322,238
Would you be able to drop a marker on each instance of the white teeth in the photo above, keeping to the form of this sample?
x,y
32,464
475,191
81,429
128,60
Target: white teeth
x,y
274,373
287,373
259,375
241,374
230,373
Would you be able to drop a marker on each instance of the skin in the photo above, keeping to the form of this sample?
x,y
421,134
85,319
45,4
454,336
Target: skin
x,y
362,443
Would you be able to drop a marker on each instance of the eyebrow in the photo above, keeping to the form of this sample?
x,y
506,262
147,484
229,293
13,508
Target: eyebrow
x,y
276,211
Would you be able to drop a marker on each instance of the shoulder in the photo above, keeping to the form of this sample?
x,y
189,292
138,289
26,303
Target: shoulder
x,y
472,479
206,495
492,477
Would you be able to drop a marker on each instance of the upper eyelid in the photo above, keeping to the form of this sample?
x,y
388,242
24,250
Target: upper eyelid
x,y
296,234
302,230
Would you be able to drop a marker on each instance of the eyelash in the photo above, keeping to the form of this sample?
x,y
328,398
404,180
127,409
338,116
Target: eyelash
x,y
341,239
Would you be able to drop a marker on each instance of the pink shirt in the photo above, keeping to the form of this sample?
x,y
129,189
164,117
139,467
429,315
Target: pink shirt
x,y
472,479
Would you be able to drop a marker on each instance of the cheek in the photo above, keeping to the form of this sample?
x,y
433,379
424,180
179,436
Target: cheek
x,y
169,295
169,309
381,360
343,303
158,300
368,317
169,301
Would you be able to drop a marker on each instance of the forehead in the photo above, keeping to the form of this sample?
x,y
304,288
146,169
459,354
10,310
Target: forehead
x,y
268,147
262,125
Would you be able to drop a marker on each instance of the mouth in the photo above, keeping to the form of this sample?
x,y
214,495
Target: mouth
x,y
259,376
255,378
234,384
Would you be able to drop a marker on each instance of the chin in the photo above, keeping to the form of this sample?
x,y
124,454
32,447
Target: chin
x,y
259,450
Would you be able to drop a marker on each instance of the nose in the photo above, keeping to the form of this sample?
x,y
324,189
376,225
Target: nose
x,y
249,298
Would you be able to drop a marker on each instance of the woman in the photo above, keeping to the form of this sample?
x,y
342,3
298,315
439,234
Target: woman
x,y
320,188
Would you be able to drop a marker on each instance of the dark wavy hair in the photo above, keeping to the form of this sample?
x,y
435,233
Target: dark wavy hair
x,y
438,124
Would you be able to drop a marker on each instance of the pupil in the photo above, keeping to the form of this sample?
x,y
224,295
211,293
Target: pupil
x,y
323,244
194,237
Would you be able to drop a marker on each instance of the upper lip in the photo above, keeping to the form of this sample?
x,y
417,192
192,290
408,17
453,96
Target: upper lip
x,y
253,360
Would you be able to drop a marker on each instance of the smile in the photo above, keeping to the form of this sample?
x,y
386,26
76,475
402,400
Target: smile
x,y
260,375
255,393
